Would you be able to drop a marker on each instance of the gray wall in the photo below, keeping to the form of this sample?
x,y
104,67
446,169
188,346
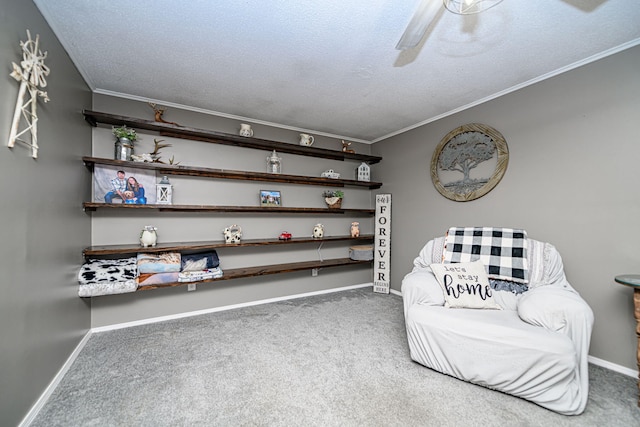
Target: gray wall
x,y
572,180
124,228
43,227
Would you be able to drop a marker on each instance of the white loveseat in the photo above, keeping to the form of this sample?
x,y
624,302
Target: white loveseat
x,y
535,347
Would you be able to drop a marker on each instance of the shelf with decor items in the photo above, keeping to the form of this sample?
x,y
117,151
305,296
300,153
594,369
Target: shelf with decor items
x,y
201,246
203,135
264,270
164,169
118,251
92,206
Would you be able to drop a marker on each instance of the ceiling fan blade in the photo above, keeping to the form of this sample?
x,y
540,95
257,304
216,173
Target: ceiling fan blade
x,y
421,20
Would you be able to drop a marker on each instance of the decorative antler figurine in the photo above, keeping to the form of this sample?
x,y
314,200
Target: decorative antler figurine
x,y
156,151
345,147
158,114
154,156
30,74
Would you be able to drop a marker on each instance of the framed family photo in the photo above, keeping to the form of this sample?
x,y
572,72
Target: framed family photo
x,y
270,198
113,184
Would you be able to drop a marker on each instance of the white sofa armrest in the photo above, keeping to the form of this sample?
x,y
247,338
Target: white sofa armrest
x,y
553,303
554,308
421,287
561,309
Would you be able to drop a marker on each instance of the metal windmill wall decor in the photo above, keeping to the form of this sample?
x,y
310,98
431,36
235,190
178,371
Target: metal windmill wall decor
x,y
31,74
469,148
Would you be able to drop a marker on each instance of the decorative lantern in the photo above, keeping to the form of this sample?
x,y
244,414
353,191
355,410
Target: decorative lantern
x,y
274,163
363,172
164,192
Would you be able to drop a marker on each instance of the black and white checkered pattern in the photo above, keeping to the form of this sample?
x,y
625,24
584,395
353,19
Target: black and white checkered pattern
x,y
502,250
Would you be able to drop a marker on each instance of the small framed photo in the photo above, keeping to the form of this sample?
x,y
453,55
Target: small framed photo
x,y
270,198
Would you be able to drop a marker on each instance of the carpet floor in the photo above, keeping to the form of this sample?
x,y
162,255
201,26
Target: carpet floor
x,y
338,359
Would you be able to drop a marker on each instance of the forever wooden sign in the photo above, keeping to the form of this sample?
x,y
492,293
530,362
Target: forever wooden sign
x,y
382,249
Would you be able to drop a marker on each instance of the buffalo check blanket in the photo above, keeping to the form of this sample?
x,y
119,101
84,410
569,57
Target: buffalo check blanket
x,y
503,251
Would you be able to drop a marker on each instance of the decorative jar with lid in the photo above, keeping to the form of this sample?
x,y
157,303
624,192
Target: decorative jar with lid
x,y
274,163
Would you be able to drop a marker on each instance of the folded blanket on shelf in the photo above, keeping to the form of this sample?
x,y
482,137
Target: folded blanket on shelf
x,y
165,262
107,288
157,278
194,276
201,261
108,271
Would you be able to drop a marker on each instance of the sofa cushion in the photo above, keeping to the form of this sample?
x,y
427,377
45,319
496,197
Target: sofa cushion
x,y
465,285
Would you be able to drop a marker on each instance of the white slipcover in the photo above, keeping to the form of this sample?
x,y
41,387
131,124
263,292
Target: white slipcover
x,y
535,348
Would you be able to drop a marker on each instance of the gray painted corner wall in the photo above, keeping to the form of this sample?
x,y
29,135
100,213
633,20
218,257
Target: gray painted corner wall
x,y
572,180
43,227
124,228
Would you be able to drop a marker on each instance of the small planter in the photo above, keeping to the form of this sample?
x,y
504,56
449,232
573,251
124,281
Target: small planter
x,y
125,138
124,149
333,202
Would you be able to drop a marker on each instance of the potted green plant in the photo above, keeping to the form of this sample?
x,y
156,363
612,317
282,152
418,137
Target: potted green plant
x,y
125,132
333,198
125,137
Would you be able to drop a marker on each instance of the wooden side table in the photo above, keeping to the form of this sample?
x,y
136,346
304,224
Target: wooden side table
x,y
633,280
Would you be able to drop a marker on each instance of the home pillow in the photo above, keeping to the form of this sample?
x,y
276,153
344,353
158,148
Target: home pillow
x,y
465,285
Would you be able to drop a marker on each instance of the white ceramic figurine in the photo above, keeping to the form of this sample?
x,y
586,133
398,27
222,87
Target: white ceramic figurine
x,y
232,234
318,231
148,236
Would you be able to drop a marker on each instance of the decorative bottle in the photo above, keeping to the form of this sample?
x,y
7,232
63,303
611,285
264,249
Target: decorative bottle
x,y
274,163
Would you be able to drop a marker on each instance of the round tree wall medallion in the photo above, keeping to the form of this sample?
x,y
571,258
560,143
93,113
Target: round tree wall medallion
x,y
469,162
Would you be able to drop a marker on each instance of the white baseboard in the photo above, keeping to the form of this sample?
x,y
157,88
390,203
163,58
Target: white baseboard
x,y
613,367
223,308
48,391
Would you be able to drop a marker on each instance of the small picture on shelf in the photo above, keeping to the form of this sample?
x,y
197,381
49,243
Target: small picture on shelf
x,y
270,198
113,184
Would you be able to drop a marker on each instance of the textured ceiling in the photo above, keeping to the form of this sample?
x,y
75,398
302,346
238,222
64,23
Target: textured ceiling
x,y
330,67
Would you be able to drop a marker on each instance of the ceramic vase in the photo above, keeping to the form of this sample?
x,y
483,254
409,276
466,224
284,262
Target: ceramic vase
x,y
245,130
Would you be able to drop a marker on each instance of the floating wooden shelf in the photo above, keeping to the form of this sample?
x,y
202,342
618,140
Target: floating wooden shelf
x,y
264,270
165,129
187,247
92,206
231,174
